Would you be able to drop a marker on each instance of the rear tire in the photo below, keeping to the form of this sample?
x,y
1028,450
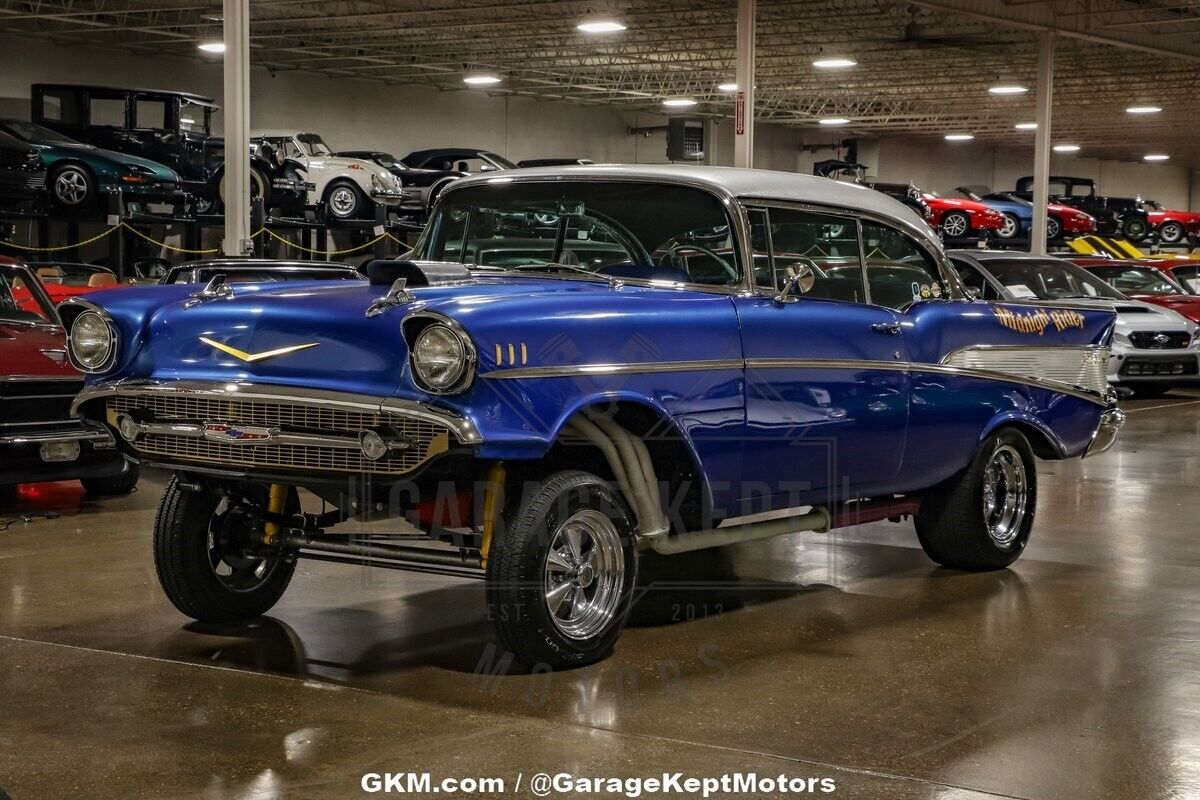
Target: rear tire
x,y
1134,229
1053,228
981,519
1010,228
117,485
201,564
561,573
1171,232
956,225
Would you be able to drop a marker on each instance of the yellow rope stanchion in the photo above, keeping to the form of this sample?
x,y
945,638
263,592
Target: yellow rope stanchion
x,y
59,248
166,246
295,246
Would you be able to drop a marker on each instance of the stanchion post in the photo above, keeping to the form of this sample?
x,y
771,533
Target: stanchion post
x,y
116,240
258,218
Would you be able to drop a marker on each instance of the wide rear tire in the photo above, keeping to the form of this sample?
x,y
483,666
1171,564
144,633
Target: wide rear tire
x,y
981,519
561,573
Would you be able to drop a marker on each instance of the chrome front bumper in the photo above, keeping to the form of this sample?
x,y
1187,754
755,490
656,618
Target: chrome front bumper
x,y
49,437
1106,433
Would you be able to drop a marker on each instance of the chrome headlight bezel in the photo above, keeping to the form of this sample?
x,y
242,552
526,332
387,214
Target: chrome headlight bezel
x,y
451,334
102,358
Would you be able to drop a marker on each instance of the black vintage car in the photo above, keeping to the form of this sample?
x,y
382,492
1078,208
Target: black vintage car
x,y
171,128
1115,216
421,185
22,175
462,159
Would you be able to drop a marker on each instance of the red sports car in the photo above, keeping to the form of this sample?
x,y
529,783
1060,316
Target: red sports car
x,y
39,439
1173,226
958,218
63,279
1148,280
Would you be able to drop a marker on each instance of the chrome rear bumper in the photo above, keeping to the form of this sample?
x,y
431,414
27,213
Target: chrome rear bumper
x,y
1106,433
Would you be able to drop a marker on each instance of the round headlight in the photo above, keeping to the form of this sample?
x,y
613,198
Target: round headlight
x,y
91,341
441,359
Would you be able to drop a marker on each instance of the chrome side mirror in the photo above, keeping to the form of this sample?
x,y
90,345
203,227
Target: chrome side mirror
x,y
799,278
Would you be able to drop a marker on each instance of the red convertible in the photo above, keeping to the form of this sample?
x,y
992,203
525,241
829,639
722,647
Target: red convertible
x,y
39,439
1148,280
62,279
1173,226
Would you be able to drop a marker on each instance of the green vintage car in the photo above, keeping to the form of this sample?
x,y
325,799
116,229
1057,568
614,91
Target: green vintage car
x,y
79,175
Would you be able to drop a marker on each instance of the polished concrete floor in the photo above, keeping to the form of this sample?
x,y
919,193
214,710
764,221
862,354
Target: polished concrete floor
x,y
1075,674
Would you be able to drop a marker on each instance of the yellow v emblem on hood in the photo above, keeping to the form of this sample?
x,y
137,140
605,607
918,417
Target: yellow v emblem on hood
x,y
251,358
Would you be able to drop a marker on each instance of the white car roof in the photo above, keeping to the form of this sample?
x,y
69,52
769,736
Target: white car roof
x,y
750,184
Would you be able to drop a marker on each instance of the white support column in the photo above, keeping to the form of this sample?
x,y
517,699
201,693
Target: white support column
x,y
743,115
237,128
1041,142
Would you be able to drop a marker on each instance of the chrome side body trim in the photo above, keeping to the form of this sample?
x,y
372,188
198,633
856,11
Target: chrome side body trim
x,y
463,429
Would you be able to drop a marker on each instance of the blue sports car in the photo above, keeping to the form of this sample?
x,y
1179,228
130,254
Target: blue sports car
x,y
586,366
1018,215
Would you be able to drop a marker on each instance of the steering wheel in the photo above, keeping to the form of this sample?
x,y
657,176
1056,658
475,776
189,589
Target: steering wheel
x,y
670,253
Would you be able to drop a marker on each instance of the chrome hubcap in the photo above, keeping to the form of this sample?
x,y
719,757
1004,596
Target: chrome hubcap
x,y
584,574
954,225
71,187
342,201
1005,495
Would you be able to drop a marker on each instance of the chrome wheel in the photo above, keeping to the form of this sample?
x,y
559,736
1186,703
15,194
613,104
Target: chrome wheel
x,y
1171,232
233,569
343,202
1053,228
955,225
1005,495
584,574
72,186
1010,227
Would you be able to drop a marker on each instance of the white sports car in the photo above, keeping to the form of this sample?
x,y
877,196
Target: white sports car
x,y
349,187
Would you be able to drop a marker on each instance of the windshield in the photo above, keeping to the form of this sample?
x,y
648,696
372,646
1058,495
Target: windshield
x,y
499,161
1154,205
1049,279
388,160
195,117
614,229
35,134
313,144
1136,280
21,298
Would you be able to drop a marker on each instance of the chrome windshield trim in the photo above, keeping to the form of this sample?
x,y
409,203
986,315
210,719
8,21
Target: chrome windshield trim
x,y
463,428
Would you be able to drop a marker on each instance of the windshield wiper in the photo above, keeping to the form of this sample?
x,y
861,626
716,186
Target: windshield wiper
x,y
552,266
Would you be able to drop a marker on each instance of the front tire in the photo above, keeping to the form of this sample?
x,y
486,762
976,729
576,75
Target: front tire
x,y
981,519
956,225
561,574
259,187
202,559
1171,232
1010,228
116,486
72,186
345,201
1053,228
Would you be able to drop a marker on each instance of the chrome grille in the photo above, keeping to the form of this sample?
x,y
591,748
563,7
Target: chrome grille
x,y
1084,367
428,438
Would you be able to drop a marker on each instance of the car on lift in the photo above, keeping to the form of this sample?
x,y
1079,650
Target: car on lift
x,y
64,279
40,439
259,270
350,188
1154,349
1018,215
81,175
173,129
957,219
1149,281
544,423
1174,227
421,185
22,174
1115,216
458,159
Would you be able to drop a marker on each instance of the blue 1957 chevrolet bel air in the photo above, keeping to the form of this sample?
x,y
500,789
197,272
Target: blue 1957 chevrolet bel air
x,y
582,364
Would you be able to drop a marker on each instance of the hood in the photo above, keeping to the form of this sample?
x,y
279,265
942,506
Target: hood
x,y
1188,305
1058,208
24,348
89,153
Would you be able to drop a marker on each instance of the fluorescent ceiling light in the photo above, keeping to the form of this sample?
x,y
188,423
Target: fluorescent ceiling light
x,y
1155,157
678,102
212,47
727,87
481,80
1007,88
1026,126
600,26
833,121
1143,110
834,63
1066,148
959,137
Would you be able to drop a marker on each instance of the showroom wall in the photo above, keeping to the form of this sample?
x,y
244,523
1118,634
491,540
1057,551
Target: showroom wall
x,y
354,114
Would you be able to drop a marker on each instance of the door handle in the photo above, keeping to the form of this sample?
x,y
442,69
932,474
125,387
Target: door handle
x,y
890,328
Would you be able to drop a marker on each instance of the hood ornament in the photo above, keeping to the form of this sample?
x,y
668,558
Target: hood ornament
x,y
398,295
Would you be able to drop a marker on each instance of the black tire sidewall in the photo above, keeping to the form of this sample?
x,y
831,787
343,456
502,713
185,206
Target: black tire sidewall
x,y
516,565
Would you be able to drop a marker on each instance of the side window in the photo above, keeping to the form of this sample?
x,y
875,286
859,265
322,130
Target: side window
x,y
826,243
760,249
899,271
151,114
61,106
1189,277
107,112
973,279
